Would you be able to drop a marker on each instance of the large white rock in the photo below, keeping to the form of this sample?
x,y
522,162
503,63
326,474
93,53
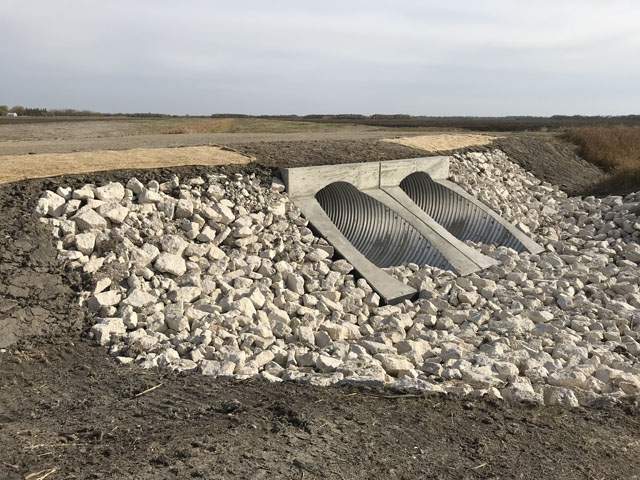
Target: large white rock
x,y
245,307
175,318
277,185
521,390
219,213
295,283
85,242
113,192
561,396
567,378
88,219
326,364
539,316
628,383
184,208
104,299
394,365
135,185
336,331
217,368
140,299
173,244
150,196
261,359
113,211
257,298
215,253
170,263
50,203
305,335
185,294
106,329
84,193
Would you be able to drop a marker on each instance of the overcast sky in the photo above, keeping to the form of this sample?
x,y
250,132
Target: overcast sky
x,y
465,57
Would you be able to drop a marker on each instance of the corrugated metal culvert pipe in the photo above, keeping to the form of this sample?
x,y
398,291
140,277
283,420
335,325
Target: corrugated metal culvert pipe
x,y
375,230
461,218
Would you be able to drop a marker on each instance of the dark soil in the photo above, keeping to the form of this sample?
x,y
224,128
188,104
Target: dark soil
x,y
66,405
553,160
547,157
287,154
67,410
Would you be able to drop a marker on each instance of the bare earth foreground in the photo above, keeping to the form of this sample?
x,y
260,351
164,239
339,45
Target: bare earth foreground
x,y
68,411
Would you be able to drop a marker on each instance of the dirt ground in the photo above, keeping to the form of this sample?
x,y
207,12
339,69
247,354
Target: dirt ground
x,y
89,136
20,131
70,408
546,157
68,411
554,161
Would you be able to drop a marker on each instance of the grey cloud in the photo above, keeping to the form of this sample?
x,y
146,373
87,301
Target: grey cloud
x,y
463,57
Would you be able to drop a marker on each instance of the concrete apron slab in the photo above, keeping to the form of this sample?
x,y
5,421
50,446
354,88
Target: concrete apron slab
x,y
381,181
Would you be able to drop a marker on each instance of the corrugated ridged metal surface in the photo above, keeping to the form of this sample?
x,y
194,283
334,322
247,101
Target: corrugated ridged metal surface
x,y
461,218
381,235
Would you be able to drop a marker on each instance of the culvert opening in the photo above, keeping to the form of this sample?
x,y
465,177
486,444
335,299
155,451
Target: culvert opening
x,y
380,234
459,216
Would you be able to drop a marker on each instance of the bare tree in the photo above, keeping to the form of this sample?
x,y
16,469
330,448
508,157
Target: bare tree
x,y
17,109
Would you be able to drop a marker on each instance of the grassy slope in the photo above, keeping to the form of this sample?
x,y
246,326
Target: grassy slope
x,y
614,149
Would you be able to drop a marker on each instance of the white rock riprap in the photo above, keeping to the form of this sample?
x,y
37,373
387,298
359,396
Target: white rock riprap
x,y
224,277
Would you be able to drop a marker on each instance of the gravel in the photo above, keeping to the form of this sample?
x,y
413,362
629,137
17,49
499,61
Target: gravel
x,y
225,277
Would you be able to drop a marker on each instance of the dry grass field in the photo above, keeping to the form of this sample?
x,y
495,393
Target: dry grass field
x,y
444,141
614,149
21,167
185,125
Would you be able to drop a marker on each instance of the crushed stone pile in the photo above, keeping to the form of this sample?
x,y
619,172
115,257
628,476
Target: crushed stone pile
x,y
221,275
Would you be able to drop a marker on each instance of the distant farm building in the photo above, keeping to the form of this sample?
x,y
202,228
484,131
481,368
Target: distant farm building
x,y
12,114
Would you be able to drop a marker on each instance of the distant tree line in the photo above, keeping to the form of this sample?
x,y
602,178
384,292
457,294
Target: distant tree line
x,y
67,112
43,112
508,123
18,110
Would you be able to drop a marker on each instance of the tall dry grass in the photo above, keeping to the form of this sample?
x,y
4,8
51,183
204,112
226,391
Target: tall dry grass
x,y
614,149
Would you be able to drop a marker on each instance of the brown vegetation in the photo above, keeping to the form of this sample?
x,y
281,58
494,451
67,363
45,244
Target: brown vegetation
x,y
189,125
20,167
441,142
480,124
614,149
